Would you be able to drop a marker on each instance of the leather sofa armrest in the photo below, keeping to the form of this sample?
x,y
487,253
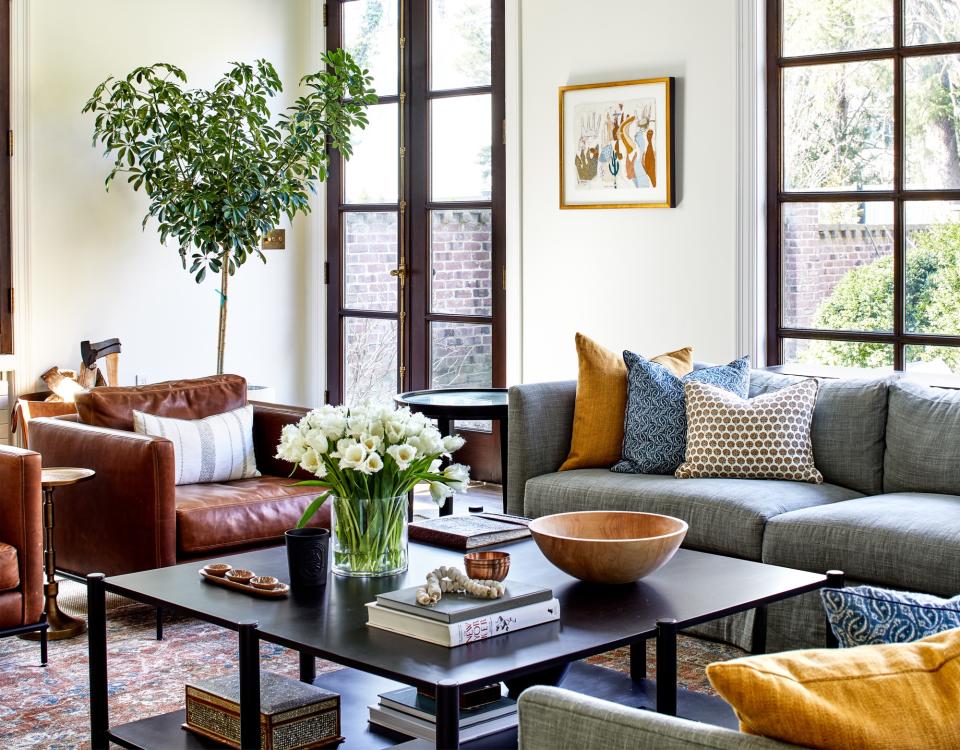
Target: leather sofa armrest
x,y
21,525
540,426
268,421
122,520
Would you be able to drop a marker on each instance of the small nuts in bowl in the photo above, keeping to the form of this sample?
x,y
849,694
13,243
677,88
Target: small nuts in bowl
x,y
217,569
240,575
264,582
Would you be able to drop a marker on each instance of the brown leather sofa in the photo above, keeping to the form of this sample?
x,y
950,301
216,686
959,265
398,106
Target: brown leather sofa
x,y
21,546
131,516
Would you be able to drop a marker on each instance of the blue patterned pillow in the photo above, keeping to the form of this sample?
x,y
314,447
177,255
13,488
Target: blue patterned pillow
x,y
655,425
864,615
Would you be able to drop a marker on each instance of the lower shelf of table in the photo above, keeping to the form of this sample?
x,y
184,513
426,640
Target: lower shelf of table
x,y
358,690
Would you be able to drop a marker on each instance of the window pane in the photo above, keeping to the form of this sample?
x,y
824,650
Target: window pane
x,y
838,353
461,355
461,274
370,176
933,267
460,148
369,254
837,266
932,90
817,26
459,43
370,35
369,360
931,21
838,126
932,360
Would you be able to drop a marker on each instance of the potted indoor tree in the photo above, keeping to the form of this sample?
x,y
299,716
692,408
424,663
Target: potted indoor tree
x,y
219,169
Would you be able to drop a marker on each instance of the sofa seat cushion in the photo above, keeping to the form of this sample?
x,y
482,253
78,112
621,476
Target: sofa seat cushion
x,y
9,567
245,512
905,540
725,515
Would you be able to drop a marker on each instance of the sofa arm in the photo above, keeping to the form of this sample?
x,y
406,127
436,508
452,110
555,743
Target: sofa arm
x,y
21,526
268,421
540,423
556,719
122,520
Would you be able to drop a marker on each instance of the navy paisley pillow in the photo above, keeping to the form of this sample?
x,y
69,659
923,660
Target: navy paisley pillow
x,y
655,424
865,615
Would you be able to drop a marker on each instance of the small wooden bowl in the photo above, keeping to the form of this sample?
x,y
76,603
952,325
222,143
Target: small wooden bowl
x,y
487,566
218,569
264,582
240,575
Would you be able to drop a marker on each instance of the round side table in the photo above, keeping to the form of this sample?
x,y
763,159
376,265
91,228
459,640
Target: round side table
x,y
61,625
449,404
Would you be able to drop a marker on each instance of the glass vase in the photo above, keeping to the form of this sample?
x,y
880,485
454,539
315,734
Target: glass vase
x,y
369,536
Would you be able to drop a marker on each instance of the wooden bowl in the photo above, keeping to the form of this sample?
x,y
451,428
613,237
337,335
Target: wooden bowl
x,y
264,582
218,569
487,566
240,575
603,546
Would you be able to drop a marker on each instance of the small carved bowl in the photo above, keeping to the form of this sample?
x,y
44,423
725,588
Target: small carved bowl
x,y
240,575
264,582
218,569
487,566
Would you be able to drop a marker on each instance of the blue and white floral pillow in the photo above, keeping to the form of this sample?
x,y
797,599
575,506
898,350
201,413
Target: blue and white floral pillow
x,y
865,615
655,424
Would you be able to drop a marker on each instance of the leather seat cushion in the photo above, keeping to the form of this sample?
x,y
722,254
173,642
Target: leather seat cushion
x,y
9,567
220,515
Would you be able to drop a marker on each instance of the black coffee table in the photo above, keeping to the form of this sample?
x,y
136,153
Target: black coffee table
x,y
694,587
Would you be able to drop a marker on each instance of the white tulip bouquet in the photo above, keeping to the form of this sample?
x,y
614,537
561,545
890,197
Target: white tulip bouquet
x,y
368,458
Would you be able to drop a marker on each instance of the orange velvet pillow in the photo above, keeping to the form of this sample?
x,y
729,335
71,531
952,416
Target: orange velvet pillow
x,y
602,400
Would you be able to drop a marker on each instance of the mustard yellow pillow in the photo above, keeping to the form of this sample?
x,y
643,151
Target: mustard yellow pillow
x,y
884,697
602,401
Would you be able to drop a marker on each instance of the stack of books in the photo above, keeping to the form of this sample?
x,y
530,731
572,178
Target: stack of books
x,y
411,712
458,619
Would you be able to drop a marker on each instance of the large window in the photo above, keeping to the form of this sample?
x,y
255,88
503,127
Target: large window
x,y
864,183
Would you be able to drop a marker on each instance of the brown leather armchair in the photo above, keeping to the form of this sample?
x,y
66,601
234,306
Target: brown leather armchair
x,y
21,546
132,516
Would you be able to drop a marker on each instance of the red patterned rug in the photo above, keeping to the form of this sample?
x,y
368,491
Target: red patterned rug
x,y
47,707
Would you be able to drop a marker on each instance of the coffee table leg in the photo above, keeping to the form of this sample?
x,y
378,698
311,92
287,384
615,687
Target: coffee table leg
x,y
759,630
308,668
834,581
638,660
448,715
667,667
97,649
444,424
249,686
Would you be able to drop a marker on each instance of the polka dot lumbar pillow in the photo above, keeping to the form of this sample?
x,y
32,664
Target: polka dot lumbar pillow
x,y
767,437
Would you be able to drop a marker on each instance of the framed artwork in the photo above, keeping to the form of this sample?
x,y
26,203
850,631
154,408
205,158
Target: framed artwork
x,y
616,145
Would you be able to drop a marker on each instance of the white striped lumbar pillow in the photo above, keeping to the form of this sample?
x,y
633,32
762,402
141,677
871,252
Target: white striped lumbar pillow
x,y
213,449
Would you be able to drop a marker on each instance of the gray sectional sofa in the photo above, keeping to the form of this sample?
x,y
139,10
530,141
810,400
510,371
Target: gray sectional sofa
x,y
888,512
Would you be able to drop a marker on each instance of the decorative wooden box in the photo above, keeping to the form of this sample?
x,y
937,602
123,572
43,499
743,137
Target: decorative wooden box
x,y
293,714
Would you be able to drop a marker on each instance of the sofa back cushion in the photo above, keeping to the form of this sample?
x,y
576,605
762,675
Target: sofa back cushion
x,y
923,440
848,427
113,407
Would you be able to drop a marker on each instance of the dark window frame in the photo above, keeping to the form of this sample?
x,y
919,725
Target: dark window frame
x,y
414,202
6,251
898,196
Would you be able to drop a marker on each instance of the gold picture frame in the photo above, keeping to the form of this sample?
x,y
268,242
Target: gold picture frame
x,y
605,132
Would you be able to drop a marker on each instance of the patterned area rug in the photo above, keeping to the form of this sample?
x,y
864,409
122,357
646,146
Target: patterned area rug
x,y
47,707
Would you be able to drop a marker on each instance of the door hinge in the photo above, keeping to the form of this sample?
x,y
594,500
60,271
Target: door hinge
x,y
9,143
326,272
504,130
325,12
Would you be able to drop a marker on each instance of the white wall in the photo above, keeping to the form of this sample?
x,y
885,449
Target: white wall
x,y
646,279
94,273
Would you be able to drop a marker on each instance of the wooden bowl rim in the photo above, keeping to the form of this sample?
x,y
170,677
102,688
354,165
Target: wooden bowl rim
x,y
684,526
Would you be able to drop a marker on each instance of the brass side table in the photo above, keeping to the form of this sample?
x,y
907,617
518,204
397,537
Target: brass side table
x,y
62,625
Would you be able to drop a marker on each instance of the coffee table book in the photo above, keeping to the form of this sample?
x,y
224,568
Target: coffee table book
x,y
459,607
427,730
467,631
415,704
293,714
467,532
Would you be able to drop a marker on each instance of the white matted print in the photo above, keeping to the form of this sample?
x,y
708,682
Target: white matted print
x,y
616,145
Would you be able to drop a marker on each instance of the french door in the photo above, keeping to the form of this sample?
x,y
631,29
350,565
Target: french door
x,y
415,239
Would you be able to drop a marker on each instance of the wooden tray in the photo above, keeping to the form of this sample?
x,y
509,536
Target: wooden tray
x,y
279,592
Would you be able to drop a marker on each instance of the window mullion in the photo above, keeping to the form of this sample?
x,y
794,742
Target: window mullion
x,y
899,243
